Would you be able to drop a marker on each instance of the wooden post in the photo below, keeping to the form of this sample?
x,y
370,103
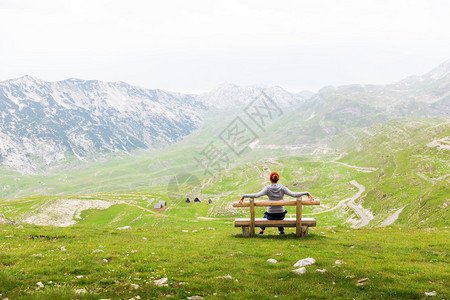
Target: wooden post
x,y
252,217
304,231
298,225
245,231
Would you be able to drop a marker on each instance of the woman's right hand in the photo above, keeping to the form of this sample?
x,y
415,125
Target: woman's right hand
x,y
310,197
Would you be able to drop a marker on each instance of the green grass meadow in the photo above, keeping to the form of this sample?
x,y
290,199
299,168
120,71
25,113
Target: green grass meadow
x,y
192,254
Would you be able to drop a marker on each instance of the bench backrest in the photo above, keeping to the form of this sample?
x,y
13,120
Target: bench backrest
x,y
277,203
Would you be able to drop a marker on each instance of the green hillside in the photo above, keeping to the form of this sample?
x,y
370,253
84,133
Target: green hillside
x,y
400,164
403,172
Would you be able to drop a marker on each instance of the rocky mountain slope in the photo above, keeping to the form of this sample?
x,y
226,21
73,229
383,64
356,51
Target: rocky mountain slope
x,y
46,122
229,95
335,110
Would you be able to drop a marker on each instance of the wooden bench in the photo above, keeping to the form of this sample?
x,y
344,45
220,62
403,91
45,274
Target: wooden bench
x,y
301,224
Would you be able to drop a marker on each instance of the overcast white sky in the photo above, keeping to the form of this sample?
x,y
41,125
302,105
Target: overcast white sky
x,y
196,45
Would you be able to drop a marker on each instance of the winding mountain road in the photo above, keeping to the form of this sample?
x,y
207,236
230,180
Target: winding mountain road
x,y
351,203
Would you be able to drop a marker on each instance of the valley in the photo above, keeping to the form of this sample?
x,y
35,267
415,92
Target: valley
x,y
377,157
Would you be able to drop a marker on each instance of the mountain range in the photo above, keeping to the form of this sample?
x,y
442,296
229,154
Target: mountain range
x,y
42,123
335,110
45,123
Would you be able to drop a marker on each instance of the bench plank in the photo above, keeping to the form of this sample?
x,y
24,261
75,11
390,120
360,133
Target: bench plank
x,y
287,222
276,203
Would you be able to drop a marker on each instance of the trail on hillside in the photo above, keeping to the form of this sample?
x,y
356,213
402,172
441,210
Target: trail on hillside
x,y
13,203
342,202
351,203
361,169
392,218
135,205
364,218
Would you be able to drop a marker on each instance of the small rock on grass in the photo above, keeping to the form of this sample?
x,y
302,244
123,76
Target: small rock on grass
x,y
161,282
98,251
225,277
62,248
40,284
271,260
124,228
321,271
80,291
300,271
80,276
339,262
363,280
305,262
431,294
195,298
134,286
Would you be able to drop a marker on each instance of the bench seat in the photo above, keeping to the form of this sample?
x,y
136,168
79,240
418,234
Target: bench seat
x,y
287,222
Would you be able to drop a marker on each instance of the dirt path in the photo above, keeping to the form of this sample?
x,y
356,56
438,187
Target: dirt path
x,y
364,218
361,190
392,218
210,219
13,203
351,203
432,180
135,205
361,169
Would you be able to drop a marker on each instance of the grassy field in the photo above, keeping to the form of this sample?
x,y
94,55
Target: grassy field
x,y
194,254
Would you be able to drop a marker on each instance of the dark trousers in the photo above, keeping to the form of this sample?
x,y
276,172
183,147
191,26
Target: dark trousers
x,y
278,216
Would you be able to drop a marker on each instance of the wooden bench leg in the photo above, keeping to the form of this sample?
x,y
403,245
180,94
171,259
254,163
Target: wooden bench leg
x,y
245,231
304,231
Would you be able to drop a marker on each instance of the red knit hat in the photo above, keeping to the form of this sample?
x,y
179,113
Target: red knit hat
x,y
274,177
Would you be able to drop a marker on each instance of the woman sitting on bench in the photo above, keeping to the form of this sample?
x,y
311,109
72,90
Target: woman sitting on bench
x,y
275,192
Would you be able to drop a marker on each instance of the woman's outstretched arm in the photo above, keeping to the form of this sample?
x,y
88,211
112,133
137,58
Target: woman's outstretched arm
x,y
294,194
263,192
